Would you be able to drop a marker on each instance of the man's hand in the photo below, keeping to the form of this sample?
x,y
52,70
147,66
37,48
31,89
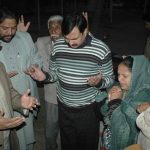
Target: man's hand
x,y
21,25
94,80
12,74
142,107
85,14
36,73
31,69
29,102
8,123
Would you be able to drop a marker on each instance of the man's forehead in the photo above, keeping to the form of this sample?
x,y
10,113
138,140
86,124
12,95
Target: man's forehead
x,y
74,34
9,22
55,22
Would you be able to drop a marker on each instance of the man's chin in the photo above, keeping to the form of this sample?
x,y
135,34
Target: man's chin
x,y
54,38
74,46
7,40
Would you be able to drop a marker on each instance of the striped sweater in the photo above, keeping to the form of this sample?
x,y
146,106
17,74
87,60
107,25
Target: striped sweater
x,y
71,68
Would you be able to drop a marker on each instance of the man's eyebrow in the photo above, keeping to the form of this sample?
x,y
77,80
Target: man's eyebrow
x,y
8,27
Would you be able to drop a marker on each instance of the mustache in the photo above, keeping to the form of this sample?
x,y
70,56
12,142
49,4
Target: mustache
x,y
74,45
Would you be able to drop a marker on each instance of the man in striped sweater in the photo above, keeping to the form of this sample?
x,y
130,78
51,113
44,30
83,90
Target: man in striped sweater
x,y
82,66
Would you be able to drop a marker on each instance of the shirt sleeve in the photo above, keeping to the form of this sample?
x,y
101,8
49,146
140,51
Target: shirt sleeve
x,y
106,70
15,96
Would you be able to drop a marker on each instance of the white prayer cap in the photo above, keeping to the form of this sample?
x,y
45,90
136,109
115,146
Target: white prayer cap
x,y
55,17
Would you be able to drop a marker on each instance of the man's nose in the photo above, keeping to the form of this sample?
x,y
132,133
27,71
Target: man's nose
x,y
54,31
9,32
70,42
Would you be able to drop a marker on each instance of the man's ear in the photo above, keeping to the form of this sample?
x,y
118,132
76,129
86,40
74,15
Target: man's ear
x,y
86,31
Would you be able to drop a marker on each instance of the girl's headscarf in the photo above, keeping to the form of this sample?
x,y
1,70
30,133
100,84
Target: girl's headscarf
x,y
140,76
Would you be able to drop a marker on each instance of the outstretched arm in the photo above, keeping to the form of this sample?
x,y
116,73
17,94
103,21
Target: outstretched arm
x,y
36,73
28,102
8,123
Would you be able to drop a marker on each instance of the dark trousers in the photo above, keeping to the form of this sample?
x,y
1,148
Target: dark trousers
x,y
52,126
13,140
79,127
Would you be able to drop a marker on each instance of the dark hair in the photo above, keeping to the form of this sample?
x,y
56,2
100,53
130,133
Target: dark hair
x,y
72,20
6,14
128,62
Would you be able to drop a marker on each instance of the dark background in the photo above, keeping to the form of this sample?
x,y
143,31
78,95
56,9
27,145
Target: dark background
x,y
120,27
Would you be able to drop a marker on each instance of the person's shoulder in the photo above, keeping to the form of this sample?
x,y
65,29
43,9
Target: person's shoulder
x,y
20,34
60,41
43,39
95,42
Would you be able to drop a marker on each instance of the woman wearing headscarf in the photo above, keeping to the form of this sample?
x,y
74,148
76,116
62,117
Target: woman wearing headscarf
x,y
120,110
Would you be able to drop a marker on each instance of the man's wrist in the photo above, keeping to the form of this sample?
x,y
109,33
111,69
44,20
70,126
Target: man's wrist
x,y
100,83
47,77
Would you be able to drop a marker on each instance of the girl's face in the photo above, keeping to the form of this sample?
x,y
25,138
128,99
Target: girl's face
x,y
124,76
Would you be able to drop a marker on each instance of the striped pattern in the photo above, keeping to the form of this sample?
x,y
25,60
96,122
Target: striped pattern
x,y
74,66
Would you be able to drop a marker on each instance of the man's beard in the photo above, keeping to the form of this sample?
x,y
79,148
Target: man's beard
x,y
3,38
54,37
